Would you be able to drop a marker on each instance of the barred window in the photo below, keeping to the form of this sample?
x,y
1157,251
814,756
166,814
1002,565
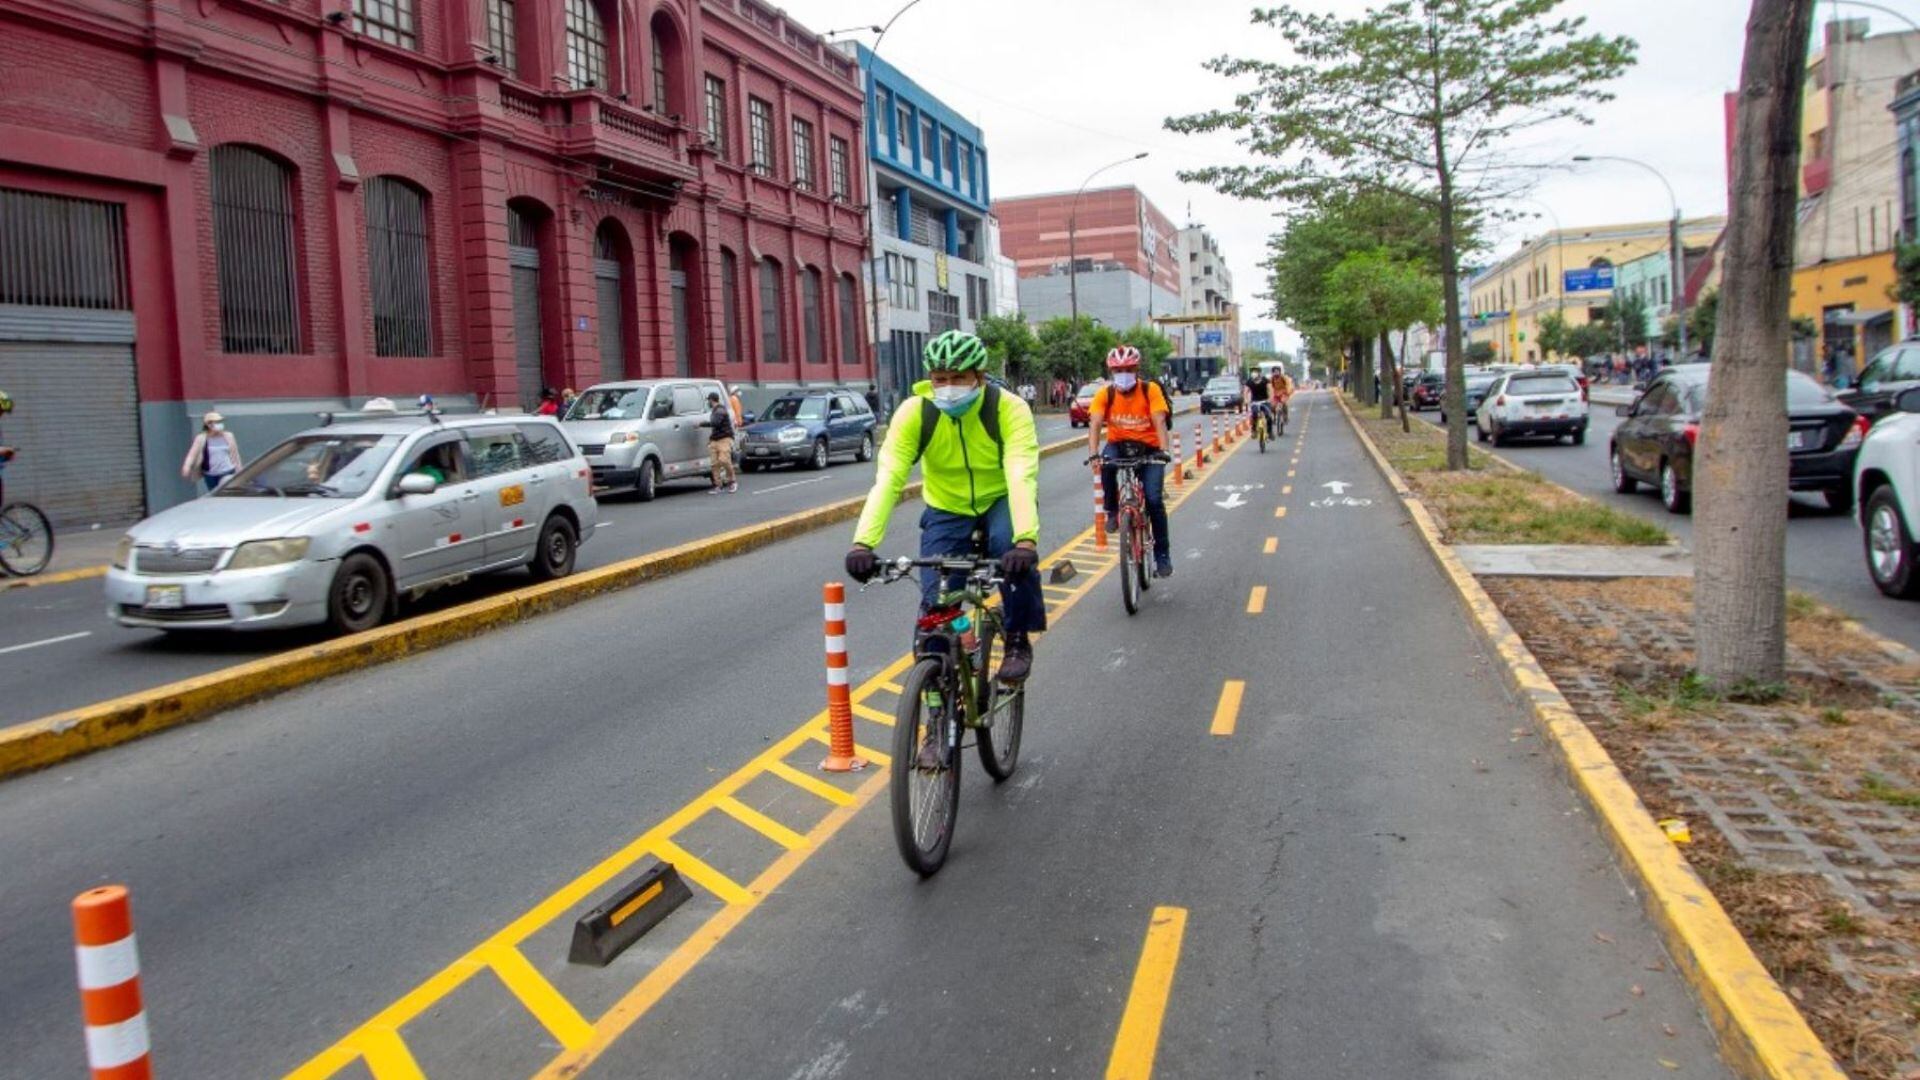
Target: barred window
x,y
813,316
760,134
803,155
503,37
730,303
398,277
390,21
717,115
253,226
57,251
849,322
837,173
772,312
586,44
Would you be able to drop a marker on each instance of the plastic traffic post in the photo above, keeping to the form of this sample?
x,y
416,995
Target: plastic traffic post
x,y
1179,463
1199,448
839,698
117,1046
1099,511
1216,434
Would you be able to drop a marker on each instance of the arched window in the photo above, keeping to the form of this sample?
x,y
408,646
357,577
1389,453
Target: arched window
x,y
813,316
730,304
772,312
253,241
398,276
849,322
586,44
527,221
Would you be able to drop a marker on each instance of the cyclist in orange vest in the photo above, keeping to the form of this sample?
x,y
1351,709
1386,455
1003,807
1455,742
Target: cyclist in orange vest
x,y
1132,414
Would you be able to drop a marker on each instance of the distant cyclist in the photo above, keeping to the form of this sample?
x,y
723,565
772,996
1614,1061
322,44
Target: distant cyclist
x,y
1132,414
1257,397
980,465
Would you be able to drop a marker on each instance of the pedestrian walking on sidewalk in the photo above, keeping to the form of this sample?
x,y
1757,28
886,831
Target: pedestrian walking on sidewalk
x,y
214,455
720,444
873,399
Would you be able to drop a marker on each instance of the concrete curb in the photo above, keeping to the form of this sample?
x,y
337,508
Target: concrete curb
x,y
60,578
1760,1032
53,739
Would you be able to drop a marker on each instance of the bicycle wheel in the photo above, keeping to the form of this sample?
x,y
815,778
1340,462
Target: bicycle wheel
x,y
26,540
1142,553
1260,431
925,800
999,741
1129,584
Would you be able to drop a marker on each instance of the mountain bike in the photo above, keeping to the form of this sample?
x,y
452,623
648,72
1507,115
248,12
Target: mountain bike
x,y
26,540
950,691
1136,528
1260,422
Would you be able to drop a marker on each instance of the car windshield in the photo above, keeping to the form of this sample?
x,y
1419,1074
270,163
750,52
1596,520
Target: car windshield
x,y
1802,393
1480,382
793,408
314,466
1554,383
1087,392
1431,379
609,404
1223,386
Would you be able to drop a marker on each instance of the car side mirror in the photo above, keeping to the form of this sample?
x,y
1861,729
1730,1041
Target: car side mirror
x,y
418,483
1908,400
1623,410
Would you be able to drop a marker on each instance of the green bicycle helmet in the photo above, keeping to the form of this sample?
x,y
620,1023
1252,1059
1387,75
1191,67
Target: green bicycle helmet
x,y
956,350
6,403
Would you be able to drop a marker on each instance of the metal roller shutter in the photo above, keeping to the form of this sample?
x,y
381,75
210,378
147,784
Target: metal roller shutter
x,y
76,425
613,352
526,322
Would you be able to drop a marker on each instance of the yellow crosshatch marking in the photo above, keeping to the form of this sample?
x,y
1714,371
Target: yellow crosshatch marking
x,y
379,1043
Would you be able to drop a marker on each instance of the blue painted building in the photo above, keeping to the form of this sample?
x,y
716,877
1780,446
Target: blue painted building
x,y
932,236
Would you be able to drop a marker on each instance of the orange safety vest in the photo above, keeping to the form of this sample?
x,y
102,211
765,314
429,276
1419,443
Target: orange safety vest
x,y
1129,416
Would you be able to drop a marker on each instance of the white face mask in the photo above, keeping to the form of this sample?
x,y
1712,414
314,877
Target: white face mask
x,y
216,428
954,399
1125,380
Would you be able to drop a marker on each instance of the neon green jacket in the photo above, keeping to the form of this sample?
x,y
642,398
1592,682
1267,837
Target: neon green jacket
x,y
964,472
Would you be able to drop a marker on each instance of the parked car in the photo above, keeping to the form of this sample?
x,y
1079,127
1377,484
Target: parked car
x,y
1533,403
1428,391
1222,393
1477,385
640,433
1655,444
1893,370
1575,372
339,522
809,426
1080,409
1887,478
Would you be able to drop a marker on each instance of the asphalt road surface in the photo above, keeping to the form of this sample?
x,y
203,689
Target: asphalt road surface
x,y
1824,556
65,629
1369,865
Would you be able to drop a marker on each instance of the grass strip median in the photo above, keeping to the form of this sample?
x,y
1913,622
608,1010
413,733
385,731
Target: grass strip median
x,y
1760,1032
52,739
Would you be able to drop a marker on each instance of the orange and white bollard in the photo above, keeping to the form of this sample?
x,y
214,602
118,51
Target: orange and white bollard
x,y
839,698
1199,447
117,1044
1179,462
1099,511
1216,434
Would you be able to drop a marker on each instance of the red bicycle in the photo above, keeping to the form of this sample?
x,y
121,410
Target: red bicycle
x,y
1136,529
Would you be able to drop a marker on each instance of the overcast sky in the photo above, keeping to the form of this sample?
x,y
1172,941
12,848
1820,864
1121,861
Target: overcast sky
x,y
1061,87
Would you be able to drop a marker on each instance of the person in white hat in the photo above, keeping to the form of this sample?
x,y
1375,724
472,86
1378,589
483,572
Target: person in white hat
x,y
214,455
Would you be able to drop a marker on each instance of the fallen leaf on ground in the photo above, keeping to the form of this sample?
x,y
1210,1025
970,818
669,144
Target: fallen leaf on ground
x,y
1668,1028
1665,1064
1602,938
1616,1014
1637,991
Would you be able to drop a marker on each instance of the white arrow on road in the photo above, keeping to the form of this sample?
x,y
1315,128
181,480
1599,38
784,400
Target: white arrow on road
x,y
1338,487
1233,502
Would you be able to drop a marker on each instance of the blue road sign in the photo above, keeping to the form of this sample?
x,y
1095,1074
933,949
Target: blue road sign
x,y
1592,279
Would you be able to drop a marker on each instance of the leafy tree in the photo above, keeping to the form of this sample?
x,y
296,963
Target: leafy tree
x,y
1419,95
1154,348
1553,334
1072,352
1590,339
1740,465
1009,341
1703,320
1626,316
1481,352
1906,266
1370,295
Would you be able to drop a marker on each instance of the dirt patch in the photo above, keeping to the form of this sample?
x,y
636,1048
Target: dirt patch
x,y
1803,799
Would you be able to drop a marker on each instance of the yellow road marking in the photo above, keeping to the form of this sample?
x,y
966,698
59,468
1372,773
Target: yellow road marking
x,y
810,783
1279,511
1139,1035
890,687
1227,713
388,1058
554,1012
1272,545
1286,489
759,822
1257,602
861,708
872,756
625,911
728,890
1289,474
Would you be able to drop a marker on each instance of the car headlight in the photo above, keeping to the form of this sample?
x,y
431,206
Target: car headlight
x,y
258,553
123,553
793,434
621,438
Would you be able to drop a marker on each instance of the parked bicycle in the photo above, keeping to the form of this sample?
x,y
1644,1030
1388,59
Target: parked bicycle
x,y
1136,528
26,539
949,692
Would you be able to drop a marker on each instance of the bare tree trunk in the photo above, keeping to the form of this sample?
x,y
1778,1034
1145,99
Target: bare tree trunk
x,y
1389,384
1740,467
1455,392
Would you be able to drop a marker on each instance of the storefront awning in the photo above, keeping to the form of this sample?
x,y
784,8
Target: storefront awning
x,y
1858,318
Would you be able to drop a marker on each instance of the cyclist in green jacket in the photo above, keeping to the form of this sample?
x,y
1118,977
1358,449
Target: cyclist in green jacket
x,y
980,466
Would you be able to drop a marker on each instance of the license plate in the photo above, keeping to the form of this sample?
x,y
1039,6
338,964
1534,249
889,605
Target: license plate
x,y
760,451
1799,440
166,596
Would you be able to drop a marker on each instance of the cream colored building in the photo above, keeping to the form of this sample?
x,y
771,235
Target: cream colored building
x,y
1506,301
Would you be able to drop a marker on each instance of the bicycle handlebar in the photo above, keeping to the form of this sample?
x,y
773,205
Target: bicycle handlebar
x,y
1131,463
986,571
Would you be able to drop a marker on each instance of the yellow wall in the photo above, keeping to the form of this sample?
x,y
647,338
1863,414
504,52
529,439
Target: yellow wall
x,y
1866,283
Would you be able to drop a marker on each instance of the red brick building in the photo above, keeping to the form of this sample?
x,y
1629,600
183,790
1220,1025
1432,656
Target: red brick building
x,y
275,207
1116,226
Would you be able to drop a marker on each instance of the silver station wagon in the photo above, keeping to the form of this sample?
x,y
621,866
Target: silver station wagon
x,y
338,523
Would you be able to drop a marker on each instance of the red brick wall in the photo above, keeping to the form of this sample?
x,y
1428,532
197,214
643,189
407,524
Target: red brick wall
x,y
53,81
383,148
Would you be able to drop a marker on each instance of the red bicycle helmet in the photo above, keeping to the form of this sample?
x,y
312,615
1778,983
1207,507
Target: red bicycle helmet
x,y
1123,358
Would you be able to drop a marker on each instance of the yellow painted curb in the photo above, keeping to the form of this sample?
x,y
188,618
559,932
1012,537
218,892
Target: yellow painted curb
x,y
53,739
77,574
1760,1032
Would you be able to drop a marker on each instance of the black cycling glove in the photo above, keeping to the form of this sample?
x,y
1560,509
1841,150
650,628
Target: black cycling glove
x,y
861,565
1018,561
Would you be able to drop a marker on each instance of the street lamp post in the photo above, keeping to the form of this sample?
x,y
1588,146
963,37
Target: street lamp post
x,y
878,262
1073,248
1677,259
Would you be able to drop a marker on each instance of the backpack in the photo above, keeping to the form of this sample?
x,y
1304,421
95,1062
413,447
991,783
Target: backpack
x,y
989,419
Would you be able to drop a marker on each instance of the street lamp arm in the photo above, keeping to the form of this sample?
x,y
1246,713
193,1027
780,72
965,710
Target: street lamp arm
x,y
882,30
1672,199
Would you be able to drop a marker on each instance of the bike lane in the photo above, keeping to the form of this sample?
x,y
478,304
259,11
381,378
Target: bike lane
x,y
1298,834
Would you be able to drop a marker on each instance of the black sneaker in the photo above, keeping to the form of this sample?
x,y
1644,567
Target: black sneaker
x,y
1113,524
1017,663
1163,567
